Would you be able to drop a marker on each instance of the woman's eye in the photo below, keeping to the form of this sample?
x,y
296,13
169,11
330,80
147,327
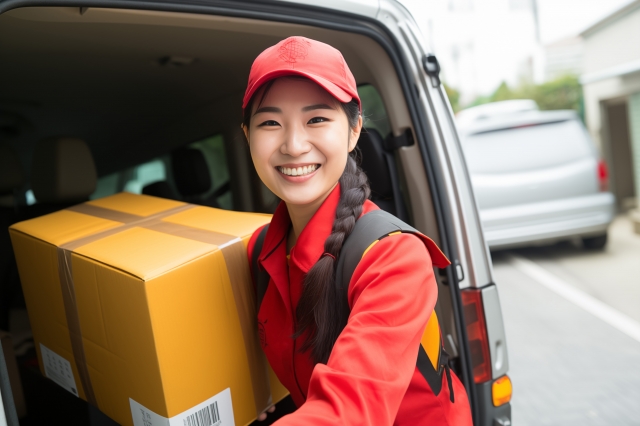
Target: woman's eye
x,y
269,123
317,120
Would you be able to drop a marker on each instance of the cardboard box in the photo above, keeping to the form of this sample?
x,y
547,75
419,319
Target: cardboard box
x,y
145,308
14,374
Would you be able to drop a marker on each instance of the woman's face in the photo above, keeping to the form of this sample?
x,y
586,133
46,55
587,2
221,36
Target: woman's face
x,y
299,139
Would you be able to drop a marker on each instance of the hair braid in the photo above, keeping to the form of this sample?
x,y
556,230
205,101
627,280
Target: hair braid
x,y
322,311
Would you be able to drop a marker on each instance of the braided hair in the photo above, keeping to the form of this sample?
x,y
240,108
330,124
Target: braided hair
x,y
322,311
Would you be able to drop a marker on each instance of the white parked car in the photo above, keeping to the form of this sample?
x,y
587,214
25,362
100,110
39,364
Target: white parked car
x,y
536,174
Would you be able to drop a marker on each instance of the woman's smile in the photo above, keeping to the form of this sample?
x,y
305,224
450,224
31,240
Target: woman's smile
x,y
297,173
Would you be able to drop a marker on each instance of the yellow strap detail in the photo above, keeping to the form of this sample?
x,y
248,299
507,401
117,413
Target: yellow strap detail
x,y
431,339
369,248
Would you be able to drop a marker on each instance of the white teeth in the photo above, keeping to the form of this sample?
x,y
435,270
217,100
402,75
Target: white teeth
x,y
298,171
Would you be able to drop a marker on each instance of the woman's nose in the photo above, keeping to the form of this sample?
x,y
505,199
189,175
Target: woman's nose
x,y
295,143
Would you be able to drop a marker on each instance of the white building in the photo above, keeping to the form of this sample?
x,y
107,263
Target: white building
x,y
481,43
564,57
611,82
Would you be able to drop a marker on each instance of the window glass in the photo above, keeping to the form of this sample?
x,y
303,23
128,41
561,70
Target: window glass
x,y
144,174
214,154
532,147
373,110
31,199
106,185
132,179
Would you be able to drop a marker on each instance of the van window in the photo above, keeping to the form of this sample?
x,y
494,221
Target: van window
x,y
132,179
144,174
215,156
373,110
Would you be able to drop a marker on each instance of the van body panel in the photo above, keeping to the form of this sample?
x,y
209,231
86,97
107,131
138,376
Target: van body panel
x,y
359,7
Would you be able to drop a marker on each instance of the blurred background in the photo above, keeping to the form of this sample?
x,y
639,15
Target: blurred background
x,y
547,99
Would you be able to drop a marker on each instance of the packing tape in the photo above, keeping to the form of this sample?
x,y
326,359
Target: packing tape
x,y
236,261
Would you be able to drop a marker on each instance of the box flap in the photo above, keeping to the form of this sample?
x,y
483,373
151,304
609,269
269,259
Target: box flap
x,y
228,222
63,226
141,205
144,253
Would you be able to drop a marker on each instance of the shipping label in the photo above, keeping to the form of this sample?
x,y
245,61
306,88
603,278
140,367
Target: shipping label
x,y
58,369
215,411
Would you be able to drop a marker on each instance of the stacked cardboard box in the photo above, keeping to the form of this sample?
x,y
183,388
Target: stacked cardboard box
x,y
145,308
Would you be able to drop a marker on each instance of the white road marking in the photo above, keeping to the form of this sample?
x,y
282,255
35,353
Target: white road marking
x,y
606,313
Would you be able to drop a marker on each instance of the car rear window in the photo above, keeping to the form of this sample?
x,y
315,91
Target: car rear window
x,y
528,147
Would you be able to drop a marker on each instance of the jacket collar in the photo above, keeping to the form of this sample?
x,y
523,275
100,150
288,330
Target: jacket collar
x,y
310,244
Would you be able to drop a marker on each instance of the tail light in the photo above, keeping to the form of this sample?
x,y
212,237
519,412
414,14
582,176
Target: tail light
x,y
603,176
477,334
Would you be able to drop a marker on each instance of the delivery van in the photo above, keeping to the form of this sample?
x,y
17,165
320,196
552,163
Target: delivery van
x,y
150,93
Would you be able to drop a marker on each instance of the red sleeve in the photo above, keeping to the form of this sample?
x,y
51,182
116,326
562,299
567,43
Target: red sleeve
x,y
392,294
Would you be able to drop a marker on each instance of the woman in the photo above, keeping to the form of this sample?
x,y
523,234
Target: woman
x,y
302,119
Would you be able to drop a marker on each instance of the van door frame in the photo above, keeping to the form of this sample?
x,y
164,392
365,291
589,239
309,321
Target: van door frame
x,y
346,22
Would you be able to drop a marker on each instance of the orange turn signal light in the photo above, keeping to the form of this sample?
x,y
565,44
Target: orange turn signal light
x,y
501,391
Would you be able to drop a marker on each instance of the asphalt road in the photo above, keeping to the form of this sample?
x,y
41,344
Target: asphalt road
x,y
572,319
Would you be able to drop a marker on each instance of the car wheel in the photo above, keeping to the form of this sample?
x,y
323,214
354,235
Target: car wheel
x,y
595,243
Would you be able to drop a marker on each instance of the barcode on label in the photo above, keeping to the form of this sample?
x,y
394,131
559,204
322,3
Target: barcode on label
x,y
208,416
214,411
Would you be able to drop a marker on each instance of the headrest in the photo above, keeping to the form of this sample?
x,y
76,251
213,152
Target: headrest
x,y
11,175
374,163
63,170
190,171
160,189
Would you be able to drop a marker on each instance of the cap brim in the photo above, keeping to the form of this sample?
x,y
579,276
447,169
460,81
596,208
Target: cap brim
x,y
333,90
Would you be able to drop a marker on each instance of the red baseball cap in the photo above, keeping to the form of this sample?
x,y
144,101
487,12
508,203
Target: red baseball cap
x,y
303,56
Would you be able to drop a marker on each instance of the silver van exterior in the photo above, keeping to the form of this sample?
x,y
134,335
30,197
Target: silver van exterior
x,y
384,47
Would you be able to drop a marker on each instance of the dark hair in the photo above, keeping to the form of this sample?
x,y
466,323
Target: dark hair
x,y
322,312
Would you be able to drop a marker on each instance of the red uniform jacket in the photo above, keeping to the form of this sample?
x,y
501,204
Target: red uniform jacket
x,y
371,376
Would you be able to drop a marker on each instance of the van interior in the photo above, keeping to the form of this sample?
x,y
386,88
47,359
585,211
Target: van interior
x,y
150,102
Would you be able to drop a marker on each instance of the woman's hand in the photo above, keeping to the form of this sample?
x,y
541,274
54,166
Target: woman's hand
x,y
263,415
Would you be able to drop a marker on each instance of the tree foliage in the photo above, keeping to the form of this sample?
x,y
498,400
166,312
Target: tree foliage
x,y
453,95
562,93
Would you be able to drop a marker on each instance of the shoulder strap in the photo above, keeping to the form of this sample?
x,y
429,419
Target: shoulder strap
x,y
368,229
260,276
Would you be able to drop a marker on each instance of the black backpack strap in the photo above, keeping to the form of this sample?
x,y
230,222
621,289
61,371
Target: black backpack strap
x,y
369,228
260,276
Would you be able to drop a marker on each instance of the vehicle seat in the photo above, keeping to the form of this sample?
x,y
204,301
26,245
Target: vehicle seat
x,y
190,173
62,174
379,165
11,178
160,189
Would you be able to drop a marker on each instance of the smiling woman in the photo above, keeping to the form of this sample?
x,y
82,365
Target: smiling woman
x,y
296,133
341,364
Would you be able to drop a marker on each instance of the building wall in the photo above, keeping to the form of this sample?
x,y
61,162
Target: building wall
x,y
615,44
610,48
564,57
600,91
